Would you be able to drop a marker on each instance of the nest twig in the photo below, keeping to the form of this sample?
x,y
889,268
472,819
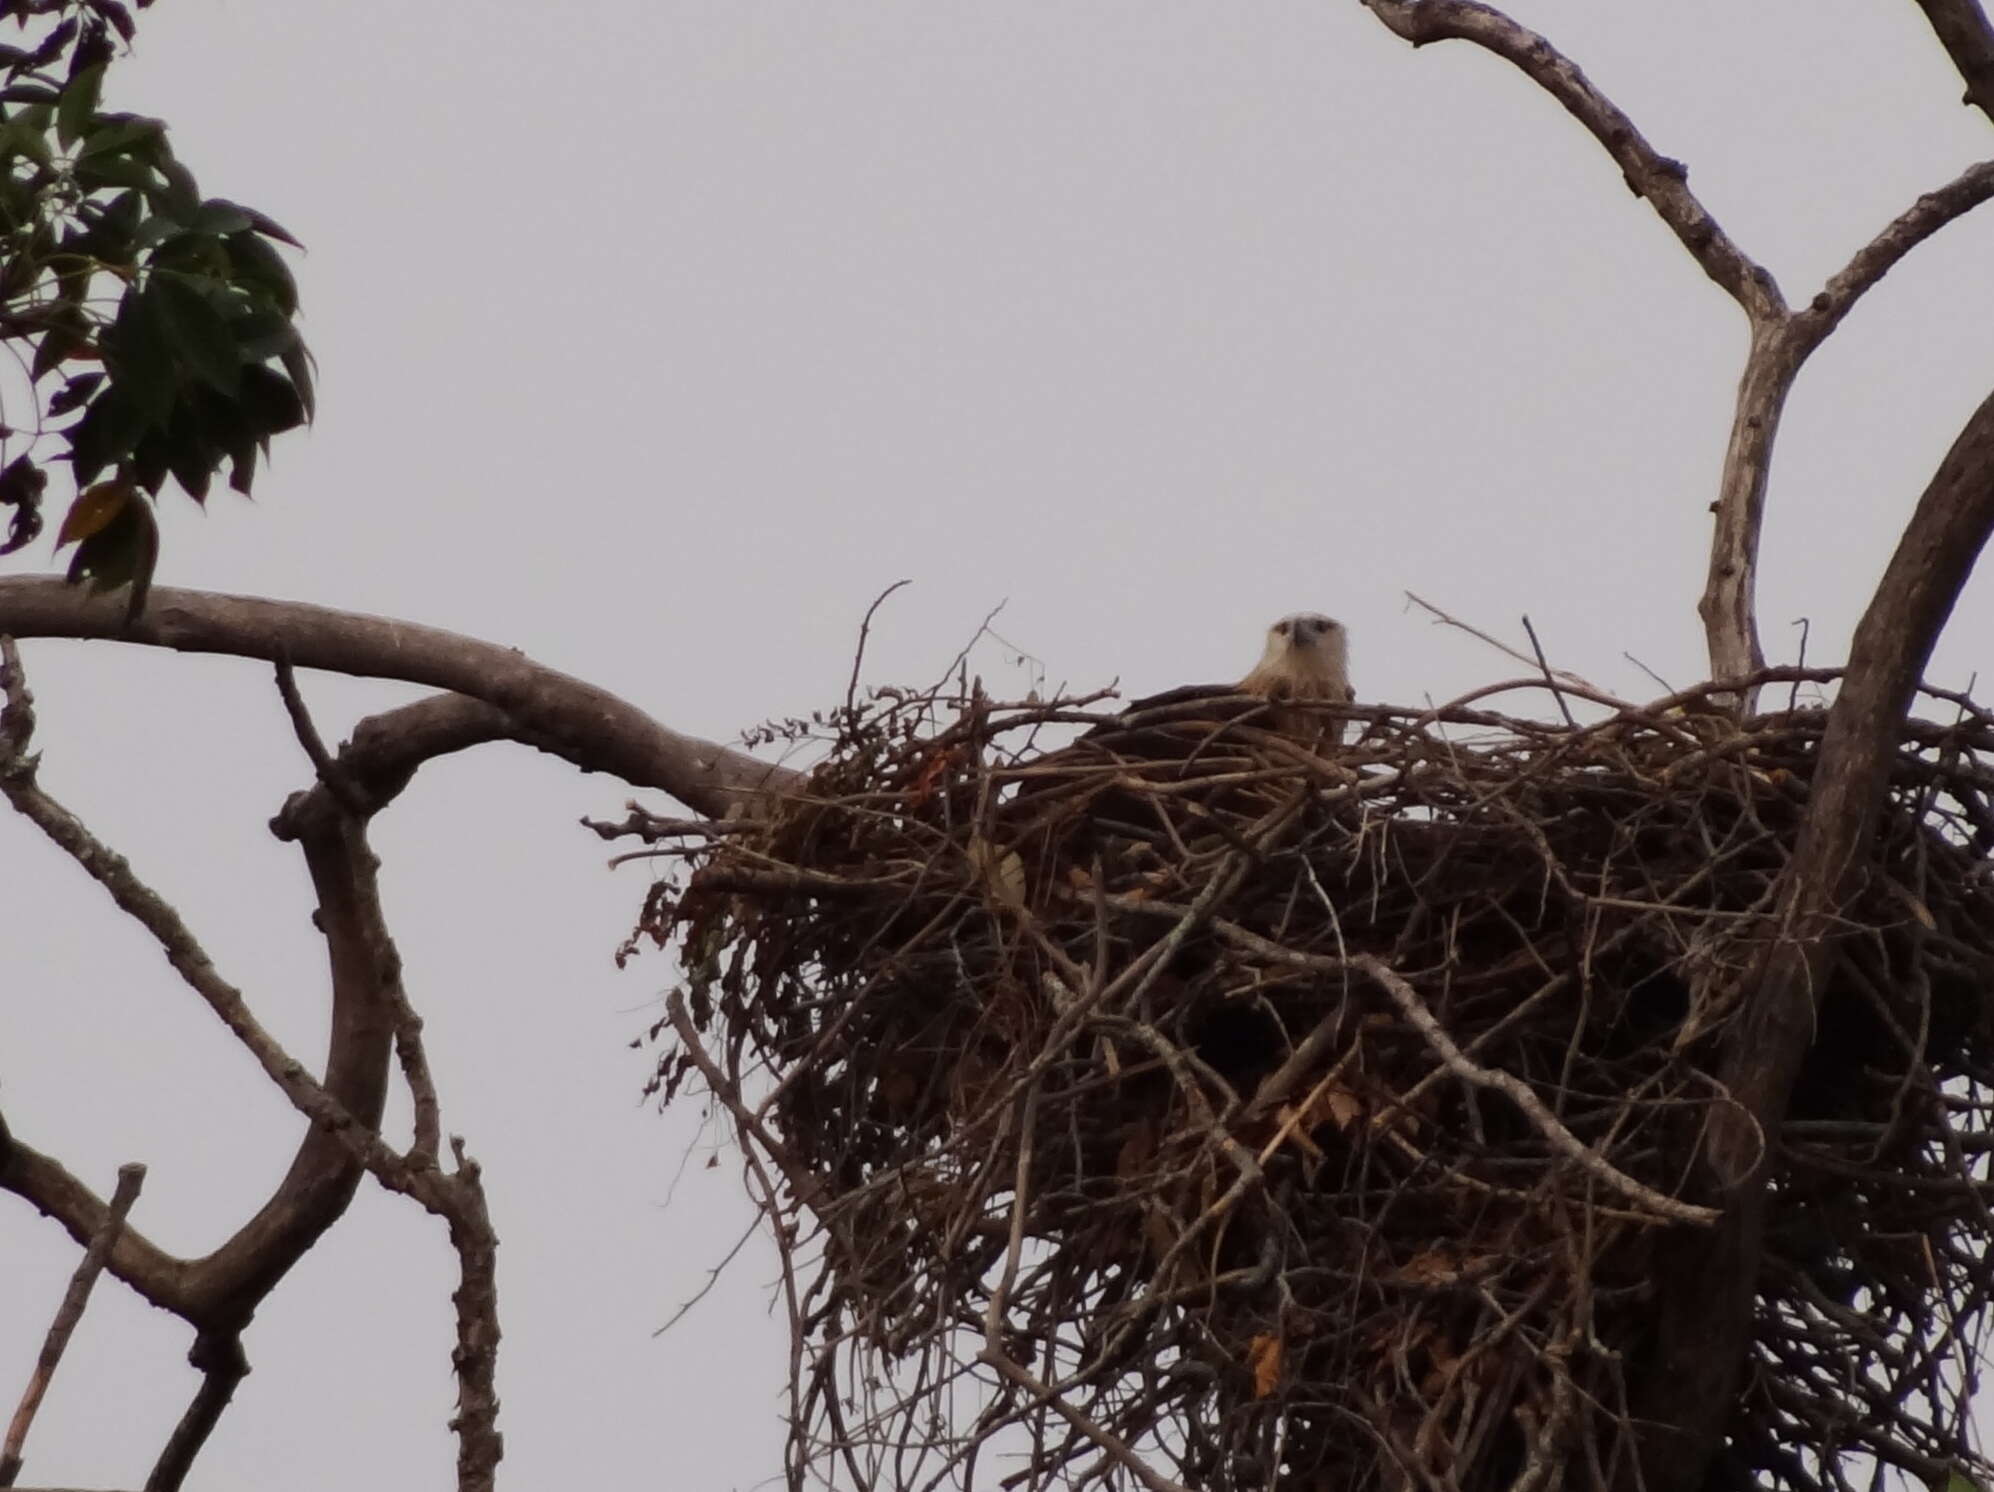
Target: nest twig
x,y
1232,1113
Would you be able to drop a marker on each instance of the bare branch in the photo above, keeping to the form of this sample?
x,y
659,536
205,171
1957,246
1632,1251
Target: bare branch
x,y
1962,29
1518,1092
1729,604
461,1202
865,631
130,1179
1707,1286
589,726
219,1357
310,740
1881,254
17,707
1500,646
43,1182
1662,182
1780,340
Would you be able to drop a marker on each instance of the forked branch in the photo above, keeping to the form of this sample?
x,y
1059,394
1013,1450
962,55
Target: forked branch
x,y
1781,339
370,1010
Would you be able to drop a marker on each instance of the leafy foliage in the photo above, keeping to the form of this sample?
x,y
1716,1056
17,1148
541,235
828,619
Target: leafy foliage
x,y
155,327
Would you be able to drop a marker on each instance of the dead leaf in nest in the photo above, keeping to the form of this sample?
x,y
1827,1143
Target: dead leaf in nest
x,y
1134,1156
1429,1267
1442,1363
1396,1336
1078,878
923,786
1000,870
1331,1103
1265,1354
1295,1131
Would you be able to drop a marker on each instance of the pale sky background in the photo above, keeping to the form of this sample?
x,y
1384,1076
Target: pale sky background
x,y
657,338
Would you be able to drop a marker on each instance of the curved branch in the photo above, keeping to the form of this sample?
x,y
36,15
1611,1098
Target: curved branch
x,y
589,726
1664,183
1705,1305
1781,340
47,1185
220,1293
1962,30
1881,254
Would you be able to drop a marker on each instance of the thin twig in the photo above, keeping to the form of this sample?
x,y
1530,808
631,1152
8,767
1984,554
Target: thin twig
x,y
130,1178
1563,1140
1545,664
858,653
329,772
1497,643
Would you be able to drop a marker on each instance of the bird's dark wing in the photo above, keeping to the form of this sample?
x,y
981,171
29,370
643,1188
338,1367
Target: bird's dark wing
x,y
1182,714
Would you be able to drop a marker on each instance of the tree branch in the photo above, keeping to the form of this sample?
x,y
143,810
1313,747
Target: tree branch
x,y
219,1293
1705,1307
1875,259
1781,341
219,1357
74,1299
1962,29
589,726
1650,175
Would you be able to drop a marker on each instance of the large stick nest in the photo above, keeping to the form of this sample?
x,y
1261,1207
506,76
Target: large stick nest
x,y
1320,1118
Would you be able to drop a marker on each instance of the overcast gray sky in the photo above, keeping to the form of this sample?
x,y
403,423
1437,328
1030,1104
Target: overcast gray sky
x,y
657,338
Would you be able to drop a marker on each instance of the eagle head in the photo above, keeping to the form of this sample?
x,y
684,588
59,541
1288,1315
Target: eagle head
x,y
1307,657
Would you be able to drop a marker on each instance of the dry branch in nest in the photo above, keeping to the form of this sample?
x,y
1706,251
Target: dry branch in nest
x,y
1185,1105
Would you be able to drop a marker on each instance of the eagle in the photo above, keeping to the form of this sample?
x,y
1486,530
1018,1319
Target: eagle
x,y
1307,657
1306,661
1107,777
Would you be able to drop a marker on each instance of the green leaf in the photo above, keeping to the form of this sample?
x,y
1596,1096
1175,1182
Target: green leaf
x,y
20,138
21,484
242,468
299,363
124,552
219,216
270,403
261,335
68,333
119,17
111,170
157,229
109,428
192,458
269,227
148,461
114,132
79,104
256,263
181,196
53,45
74,394
199,333
139,355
